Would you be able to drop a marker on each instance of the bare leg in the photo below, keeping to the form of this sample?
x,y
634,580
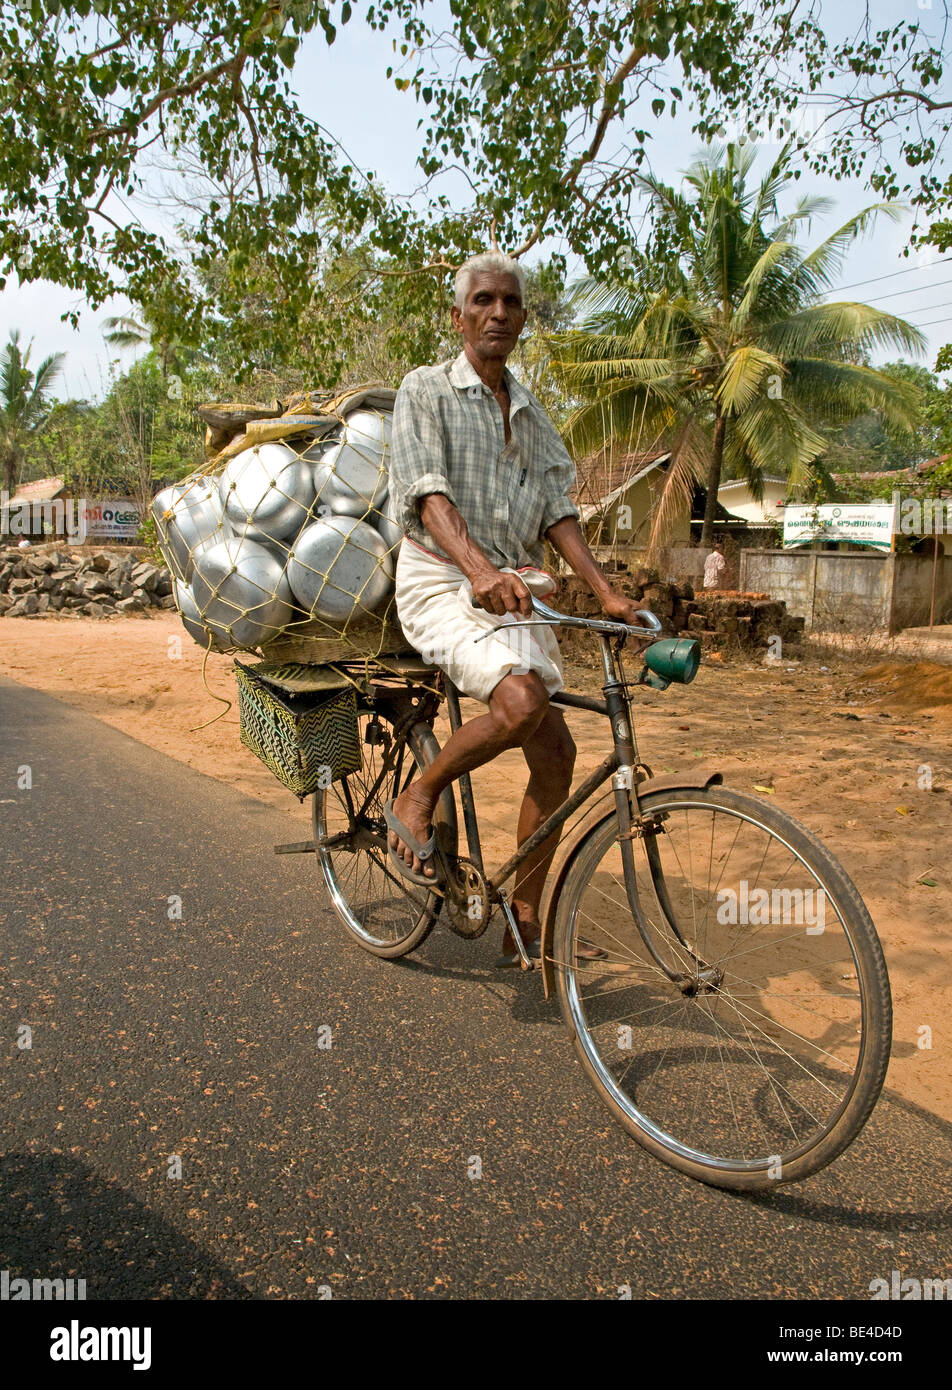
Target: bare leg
x,y
550,755
516,708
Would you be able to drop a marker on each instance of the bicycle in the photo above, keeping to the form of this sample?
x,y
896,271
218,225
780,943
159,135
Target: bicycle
x,y
740,1032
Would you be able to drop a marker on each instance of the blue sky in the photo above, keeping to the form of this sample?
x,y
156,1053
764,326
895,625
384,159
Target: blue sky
x,y
345,87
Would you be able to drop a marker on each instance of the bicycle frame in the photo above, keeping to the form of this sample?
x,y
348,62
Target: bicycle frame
x,y
621,767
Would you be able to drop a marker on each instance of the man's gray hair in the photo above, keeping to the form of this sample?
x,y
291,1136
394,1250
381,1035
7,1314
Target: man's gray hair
x,y
493,261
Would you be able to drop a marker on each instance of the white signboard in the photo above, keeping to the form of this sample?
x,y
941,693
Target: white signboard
x,y
114,516
869,523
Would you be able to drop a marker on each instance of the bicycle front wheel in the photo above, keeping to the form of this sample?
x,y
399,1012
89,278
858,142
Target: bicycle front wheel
x,y
762,1059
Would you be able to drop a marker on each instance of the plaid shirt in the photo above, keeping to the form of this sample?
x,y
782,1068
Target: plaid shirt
x,y
448,437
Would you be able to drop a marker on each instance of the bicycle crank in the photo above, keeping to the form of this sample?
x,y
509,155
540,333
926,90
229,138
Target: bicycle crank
x,y
466,903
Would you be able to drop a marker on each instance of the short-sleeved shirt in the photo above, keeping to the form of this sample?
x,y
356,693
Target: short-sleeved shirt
x,y
714,566
449,437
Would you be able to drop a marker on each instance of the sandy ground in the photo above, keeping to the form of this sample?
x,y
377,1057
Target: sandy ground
x,y
850,748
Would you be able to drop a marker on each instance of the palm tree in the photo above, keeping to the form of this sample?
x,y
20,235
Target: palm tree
x,y
720,345
124,331
25,404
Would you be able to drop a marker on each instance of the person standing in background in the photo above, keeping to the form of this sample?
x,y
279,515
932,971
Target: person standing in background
x,y
714,567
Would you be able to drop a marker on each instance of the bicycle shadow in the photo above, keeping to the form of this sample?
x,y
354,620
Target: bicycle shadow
x,y
59,1219
521,988
903,1151
895,1178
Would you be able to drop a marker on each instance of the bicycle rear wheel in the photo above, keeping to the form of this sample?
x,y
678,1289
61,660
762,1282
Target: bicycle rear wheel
x,y
763,1060
388,915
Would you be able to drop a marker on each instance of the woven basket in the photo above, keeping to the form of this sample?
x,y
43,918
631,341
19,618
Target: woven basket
x,y
307,740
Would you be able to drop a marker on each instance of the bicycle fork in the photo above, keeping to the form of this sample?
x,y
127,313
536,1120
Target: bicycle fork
x,y
632,824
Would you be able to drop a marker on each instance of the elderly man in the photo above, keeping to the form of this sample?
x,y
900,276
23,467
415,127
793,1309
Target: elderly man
x,y
481,477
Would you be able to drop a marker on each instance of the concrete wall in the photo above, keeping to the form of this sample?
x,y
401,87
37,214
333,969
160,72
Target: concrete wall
x,y
783,574
913,588
851,590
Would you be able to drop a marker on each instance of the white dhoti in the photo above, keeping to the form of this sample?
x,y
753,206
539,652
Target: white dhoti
x,y
435,608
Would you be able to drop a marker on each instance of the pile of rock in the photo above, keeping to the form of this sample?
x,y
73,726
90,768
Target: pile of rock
x,y
721,619
78,583
727,619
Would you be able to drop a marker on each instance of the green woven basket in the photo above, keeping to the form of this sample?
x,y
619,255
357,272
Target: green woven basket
x,y
308,740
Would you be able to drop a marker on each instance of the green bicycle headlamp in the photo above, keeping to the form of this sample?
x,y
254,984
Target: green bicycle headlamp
x,y
671,659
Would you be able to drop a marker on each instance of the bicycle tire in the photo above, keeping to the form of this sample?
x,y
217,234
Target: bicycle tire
x,y
809,1153
386,914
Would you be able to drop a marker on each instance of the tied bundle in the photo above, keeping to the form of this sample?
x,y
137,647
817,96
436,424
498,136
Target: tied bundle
x,y
285,541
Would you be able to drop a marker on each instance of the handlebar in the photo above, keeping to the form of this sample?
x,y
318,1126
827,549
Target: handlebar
x,y
549,617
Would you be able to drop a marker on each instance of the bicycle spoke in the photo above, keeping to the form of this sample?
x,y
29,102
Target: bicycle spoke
x,y
745,1068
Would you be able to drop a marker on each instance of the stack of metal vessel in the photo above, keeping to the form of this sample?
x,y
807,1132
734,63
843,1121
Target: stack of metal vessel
x,y
284,534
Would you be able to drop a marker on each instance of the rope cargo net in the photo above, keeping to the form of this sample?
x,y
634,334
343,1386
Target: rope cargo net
x,y
285,542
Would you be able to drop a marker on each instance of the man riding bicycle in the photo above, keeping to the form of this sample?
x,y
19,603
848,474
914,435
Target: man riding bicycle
x,y
481,478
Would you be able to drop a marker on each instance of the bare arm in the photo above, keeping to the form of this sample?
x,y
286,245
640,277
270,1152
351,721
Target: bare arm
x,y
567,538
496,592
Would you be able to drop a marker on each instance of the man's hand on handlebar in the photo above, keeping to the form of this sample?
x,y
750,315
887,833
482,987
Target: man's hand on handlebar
x,y
501,593
622,609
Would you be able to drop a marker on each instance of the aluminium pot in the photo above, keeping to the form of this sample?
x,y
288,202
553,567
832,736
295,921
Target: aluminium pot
x,y
339,567
192,618
388,525
266,492
348,482
242,592
188,517
368,431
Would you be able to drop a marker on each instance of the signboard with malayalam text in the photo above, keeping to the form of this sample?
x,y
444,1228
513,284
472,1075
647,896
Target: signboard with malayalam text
x,y
114,516
868,523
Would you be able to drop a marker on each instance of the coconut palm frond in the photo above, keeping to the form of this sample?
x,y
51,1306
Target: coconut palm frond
x,y
13,372
124,331
668,202
763,200
597,306
37,405
827,258
690,460
622,411
778,437
843,326
808,207
844,390
743,377
776,255
580,377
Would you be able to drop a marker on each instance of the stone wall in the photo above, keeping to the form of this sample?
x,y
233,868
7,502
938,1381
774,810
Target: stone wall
x,y
722,620
72,583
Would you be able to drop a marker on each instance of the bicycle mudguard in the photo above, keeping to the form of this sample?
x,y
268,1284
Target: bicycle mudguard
x,y
596,816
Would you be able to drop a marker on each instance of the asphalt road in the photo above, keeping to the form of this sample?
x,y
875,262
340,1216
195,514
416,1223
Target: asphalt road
x,y
306,1169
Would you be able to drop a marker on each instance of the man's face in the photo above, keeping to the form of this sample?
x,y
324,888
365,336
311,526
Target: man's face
x,y
492,317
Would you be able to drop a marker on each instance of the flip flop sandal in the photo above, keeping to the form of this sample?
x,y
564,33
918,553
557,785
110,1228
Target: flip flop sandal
x,y
423,851
533,951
